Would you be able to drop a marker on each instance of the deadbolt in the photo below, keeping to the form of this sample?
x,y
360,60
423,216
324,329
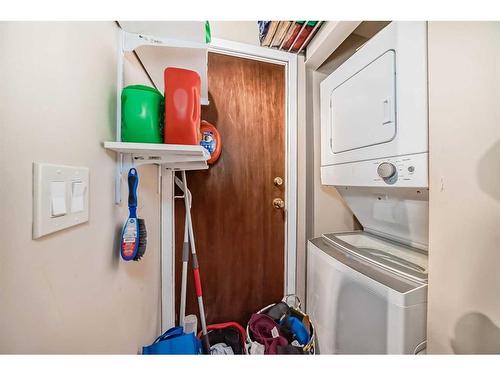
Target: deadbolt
x,y
278,203
278,181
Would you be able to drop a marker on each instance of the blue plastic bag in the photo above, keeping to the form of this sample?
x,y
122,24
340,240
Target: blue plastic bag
x,y
298,329
174,341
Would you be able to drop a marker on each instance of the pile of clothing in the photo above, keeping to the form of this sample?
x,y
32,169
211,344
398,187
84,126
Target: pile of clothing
x,y
280,329
226,338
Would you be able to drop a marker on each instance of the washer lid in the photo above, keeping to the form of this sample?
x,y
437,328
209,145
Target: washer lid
x,y
404,260
399,214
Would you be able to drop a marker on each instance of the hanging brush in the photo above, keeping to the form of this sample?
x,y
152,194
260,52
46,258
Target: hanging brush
x,y
134,234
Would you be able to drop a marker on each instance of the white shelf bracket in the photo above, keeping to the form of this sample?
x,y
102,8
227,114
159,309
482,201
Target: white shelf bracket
x,y
119,86
125,162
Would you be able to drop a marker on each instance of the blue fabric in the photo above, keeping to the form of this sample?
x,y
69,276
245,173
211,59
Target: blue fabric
x,y
299,330
174,341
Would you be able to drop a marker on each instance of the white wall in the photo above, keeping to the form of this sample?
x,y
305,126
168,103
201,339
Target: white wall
x,y
464,238
238,31
69,292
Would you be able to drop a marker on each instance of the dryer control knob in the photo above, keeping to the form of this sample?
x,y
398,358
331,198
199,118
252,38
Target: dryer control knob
x,y
386,170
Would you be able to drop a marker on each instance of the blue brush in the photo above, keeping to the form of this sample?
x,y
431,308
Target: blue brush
x,y
134,234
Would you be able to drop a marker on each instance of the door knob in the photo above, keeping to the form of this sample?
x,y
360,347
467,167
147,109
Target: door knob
x,y
278,181
278,203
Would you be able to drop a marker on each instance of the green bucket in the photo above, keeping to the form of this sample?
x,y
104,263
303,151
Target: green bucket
x,y
142,114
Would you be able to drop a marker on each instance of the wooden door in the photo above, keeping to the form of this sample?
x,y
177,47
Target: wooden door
x,y
240,236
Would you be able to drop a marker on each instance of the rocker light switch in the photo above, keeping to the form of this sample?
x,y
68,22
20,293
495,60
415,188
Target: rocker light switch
x,y
77,196
58,198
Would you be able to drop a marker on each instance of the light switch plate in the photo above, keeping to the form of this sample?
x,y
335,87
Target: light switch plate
x,y
44,175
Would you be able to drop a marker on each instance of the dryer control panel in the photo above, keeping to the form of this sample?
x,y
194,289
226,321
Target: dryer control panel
x,y
398,171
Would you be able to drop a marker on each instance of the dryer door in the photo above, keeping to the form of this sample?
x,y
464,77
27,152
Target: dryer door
x,y
363,108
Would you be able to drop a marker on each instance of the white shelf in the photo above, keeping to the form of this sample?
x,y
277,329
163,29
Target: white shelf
x,y
175,157
192,31
157,53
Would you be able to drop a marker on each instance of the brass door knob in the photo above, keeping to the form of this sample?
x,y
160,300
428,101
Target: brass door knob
x,y
278,203
278,181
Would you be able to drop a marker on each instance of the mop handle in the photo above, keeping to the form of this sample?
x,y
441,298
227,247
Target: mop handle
x,y
185,257
185,260
189,227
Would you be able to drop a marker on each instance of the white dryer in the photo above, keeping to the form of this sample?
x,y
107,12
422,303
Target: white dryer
x,y
374,112
367,290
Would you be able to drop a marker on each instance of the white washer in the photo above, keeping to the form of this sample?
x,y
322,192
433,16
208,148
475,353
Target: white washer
x,y
366,295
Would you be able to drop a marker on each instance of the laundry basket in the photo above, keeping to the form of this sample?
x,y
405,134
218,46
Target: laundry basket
x,y
230,333
295,309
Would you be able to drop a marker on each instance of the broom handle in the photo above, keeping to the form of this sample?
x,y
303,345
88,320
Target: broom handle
x,y
196,269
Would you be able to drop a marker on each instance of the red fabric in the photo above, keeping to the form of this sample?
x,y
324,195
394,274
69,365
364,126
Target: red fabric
x,y
261,326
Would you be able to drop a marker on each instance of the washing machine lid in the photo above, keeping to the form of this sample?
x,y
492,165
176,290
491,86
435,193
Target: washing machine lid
x,y
392,256
399,214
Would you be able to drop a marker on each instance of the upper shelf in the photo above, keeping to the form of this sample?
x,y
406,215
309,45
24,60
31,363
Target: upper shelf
x,y
158,52
175,157
191,31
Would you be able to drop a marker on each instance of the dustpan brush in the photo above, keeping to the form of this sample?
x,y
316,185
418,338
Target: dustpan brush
x,y
134,234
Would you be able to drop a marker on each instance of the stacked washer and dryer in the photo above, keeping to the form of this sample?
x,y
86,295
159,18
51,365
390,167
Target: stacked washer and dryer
x,y
367,289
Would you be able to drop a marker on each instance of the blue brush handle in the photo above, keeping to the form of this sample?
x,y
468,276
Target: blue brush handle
x,y
133,181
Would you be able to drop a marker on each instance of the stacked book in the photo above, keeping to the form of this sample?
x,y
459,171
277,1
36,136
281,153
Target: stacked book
x,y
290,36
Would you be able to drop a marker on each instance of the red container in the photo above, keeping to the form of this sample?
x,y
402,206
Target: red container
x,y
182,106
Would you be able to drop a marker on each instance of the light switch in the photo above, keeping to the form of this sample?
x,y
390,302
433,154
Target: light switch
x,y
77,196
58,198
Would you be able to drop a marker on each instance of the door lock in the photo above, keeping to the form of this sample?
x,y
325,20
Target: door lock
x,y
278,203
278,181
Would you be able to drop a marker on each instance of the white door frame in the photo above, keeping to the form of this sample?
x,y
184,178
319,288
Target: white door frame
x,y
273,56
